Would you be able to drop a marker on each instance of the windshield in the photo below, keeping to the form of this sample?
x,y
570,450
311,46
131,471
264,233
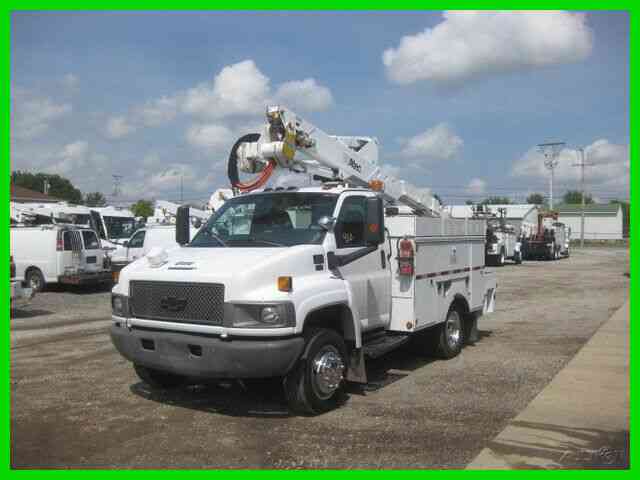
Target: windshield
x,y
268,220
119,227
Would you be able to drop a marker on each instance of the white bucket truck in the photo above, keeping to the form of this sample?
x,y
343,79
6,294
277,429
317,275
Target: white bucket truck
x,y
304,284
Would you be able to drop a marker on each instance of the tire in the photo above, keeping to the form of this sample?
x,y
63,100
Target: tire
x,y
309,392
35,280
158,379
447,338
517,257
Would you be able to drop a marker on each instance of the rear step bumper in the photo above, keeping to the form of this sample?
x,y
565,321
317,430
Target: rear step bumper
x,y
85,277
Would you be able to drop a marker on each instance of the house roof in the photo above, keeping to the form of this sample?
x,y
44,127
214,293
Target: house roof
x,y
21,194
589,209
514,211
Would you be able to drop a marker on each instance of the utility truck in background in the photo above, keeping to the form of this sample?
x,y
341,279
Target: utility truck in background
x,y
549,241
304,284
503,241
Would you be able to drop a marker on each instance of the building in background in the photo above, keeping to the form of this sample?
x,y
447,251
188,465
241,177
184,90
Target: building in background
x,y
24,195
520,216
602,221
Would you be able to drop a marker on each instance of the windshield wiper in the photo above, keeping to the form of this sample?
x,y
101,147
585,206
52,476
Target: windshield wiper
x,y
260,240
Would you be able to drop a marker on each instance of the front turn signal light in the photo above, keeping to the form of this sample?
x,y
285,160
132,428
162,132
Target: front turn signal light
x,y
285,284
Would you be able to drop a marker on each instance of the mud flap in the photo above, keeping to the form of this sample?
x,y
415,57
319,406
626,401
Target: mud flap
x,y
471,329
357,372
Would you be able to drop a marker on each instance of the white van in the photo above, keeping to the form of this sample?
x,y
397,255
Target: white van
x,y
57,254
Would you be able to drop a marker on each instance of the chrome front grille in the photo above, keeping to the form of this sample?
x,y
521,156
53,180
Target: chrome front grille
x,y
177,301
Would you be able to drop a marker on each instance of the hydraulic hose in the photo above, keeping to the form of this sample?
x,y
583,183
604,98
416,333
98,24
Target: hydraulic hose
x,y
232,168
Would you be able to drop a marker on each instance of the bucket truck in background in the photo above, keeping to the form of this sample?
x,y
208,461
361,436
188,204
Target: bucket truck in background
x,y
304,284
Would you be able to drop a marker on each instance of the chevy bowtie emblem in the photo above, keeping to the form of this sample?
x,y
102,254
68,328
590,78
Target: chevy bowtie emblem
x,y
173,304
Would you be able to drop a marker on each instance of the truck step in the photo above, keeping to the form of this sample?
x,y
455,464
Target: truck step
x,y
381,344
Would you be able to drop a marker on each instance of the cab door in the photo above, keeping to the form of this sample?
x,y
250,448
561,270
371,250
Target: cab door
x,y
136,246
368,275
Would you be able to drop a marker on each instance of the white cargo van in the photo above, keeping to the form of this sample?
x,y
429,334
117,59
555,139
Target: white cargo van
x,y
57,254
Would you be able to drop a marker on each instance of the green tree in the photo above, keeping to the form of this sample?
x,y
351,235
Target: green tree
x,y
95,199
574,197
495,201
59,187
536,199
142,208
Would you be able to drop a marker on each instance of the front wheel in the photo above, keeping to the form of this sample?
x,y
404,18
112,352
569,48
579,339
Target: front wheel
x,y
35,280
316,383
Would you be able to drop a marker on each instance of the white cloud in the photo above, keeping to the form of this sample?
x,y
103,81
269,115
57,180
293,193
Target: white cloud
x,y
469,44
476,186
70,81
239,89
306,95
157,112
610,166
71,158
437,143
118,127
169,179
210,137
32,115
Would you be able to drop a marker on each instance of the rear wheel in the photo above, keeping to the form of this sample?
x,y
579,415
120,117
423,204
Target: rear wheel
x,y
158,379
448,337
35,280
316,383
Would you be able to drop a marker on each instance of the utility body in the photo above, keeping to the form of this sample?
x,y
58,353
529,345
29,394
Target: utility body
x,y
503,241
304,284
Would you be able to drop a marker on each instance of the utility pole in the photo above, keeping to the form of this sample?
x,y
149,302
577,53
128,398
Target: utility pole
x,y
116,184
581,164
181,181
551,152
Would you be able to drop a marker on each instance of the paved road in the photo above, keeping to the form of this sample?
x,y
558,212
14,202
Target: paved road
x,y
75,402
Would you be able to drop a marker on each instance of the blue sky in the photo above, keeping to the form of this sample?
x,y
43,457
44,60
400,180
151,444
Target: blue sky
x,y
458,101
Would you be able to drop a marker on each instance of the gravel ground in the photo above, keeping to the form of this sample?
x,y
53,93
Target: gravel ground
x,y
76,402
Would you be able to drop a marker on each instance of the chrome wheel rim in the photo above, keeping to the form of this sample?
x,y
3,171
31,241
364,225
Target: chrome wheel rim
x,y
454,329
327,371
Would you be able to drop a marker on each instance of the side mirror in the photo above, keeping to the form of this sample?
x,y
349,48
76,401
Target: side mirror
x,y
125,243
197,223
374,232
182,225
327,223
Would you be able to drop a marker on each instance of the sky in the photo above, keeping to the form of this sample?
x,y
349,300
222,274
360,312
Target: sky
x,y
457,100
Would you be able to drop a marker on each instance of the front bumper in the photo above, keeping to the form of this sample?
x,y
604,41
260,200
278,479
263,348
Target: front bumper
x,y
85,277
207,357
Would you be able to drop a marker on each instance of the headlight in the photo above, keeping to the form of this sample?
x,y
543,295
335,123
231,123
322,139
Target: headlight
x,y
119,305
260,315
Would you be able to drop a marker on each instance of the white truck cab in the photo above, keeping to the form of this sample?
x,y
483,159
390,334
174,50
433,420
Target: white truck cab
x,y
304,284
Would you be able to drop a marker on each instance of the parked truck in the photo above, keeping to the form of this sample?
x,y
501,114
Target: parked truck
x,y
549,241
304,284
503,241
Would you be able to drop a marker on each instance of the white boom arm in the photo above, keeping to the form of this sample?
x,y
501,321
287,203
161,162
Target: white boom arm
x,y
300,146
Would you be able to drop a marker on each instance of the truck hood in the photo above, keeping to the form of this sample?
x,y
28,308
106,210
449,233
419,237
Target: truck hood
x,y
247,273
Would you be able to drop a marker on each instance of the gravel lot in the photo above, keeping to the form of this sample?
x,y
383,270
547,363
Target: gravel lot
x,y
76,402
